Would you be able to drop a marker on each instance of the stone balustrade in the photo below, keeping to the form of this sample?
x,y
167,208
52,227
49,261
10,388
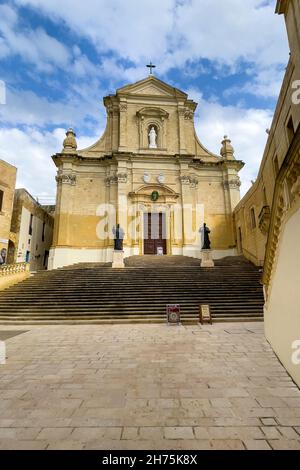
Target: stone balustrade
x,y
10,269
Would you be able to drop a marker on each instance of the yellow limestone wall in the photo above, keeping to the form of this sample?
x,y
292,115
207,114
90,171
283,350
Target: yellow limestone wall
x,y
282,308
112,171
8,281
8,175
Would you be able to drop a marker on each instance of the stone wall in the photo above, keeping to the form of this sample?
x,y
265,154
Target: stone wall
x,y
274,238
122,171
34,246
8,175
260,196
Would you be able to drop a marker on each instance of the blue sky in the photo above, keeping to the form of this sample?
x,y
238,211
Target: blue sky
x,y
58,58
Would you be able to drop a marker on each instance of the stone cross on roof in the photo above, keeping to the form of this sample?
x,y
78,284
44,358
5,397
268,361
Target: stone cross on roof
x,y
151,66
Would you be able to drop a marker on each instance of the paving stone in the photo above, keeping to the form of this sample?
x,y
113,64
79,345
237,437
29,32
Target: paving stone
x,y
65,445
227,444
288,432
285,444
86,434
54,433
178,433
269,421
130,433
151,433
146,387
257,444
271,432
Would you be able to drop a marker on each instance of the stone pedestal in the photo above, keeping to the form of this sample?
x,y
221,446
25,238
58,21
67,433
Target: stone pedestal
x,y
118,259
206,260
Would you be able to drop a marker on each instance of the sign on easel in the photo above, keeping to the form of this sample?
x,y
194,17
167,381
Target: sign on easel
x,y
205,314
173,314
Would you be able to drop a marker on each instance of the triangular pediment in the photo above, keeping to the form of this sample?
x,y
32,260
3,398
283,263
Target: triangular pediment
x,y
151,86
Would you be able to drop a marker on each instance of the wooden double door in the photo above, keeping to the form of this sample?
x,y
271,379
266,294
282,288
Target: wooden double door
x,y
155,233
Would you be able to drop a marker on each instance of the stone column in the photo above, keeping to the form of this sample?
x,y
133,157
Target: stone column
x,y
123,127
187,206
122,207
181,127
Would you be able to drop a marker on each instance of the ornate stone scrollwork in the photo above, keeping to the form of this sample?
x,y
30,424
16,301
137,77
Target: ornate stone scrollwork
x,y
66,179
293,181
115,179
110,180
123,107
122,177
233,183
189,181
264,220
188,115
185,179
194,183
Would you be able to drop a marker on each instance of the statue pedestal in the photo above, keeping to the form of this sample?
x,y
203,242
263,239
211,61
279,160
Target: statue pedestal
x,y
118,259
206,259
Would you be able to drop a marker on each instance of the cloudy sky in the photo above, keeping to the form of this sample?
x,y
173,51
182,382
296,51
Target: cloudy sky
x,y
58,58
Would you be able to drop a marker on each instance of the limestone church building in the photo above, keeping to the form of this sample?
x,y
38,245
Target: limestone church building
x,y
150,173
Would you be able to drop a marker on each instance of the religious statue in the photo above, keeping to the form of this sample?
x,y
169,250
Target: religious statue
x,y
3,256
205,241
118,233
152,138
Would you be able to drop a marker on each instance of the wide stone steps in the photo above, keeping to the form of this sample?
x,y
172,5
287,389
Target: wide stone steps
x,y
96,293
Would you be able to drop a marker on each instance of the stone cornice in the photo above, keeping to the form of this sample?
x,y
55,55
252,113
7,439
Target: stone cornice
x,y
282,6
233,164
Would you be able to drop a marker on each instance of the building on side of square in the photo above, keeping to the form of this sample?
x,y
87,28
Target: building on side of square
x,y
8,174
31,231
267,219
149,173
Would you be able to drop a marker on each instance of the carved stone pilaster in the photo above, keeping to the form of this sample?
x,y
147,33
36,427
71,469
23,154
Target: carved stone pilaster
x,y
188,115
123,107
232,184
194,183
122,177
115,179
67,178
185,180
264,220
111,180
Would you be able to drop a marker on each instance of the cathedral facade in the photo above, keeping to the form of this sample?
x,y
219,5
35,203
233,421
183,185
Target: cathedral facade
x,y
149,173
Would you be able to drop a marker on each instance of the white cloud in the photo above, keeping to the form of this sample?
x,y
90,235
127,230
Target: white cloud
x,y
35,46
245,127
30,150
27,108
265,83
171,32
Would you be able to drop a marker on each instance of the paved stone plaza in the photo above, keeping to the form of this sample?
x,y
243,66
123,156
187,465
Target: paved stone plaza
x,y
145,387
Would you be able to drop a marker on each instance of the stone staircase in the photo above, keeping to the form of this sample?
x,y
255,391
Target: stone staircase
x,y
96,293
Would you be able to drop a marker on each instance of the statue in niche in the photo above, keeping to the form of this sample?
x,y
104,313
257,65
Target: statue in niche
x,y
205,241
118,233
152,138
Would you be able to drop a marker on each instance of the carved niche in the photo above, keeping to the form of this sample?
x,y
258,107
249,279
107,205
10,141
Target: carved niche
x,y
152,117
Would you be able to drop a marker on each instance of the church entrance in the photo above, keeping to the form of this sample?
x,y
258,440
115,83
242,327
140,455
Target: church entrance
x,y
155,234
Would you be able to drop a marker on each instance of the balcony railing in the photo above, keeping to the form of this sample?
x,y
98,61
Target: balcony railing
x,y
10,269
